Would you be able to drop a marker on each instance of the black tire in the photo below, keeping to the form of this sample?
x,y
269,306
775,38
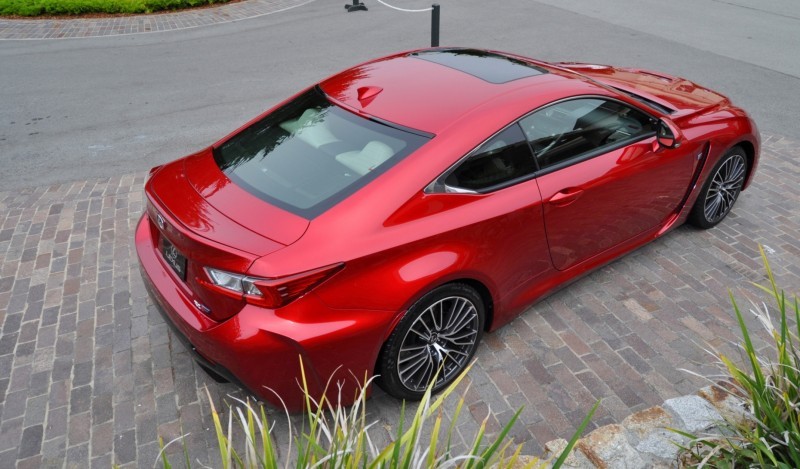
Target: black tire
x,y
721,190
454,314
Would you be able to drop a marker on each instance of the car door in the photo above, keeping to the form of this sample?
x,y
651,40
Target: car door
x,y
503,219
601,180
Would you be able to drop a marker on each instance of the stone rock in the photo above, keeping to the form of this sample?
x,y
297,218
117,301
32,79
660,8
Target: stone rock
x,y
644,440
728,403
524,461
607,447
695,412
575,460
648,433
644,422
661,445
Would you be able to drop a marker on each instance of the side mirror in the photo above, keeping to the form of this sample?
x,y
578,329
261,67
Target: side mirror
x,y
667,135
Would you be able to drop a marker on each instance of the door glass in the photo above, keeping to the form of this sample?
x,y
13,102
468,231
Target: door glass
x,y
505,157
573,128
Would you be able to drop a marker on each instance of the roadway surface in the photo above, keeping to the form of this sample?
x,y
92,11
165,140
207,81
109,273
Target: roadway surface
x,y
79,108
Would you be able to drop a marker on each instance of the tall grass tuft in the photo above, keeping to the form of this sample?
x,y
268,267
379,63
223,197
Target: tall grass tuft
x,y
770,435
334,436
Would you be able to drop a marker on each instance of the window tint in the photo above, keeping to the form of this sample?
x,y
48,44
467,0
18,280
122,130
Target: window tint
x,y
487,66
310,154
572,128
503,158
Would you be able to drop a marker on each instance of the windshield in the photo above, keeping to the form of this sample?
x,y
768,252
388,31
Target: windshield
x,y
647,102
310,154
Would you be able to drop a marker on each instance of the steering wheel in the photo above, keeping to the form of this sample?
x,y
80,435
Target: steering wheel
x,y
556,139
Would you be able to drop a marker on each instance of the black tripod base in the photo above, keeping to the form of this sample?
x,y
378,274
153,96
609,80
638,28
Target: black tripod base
x,y
356,6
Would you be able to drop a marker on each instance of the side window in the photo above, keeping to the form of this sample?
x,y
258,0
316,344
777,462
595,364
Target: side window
x,y
572,128
503,158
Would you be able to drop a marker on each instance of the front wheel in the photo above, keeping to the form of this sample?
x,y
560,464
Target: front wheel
x,y
437,337
721,190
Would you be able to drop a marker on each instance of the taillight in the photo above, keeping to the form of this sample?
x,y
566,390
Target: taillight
x,y
268,292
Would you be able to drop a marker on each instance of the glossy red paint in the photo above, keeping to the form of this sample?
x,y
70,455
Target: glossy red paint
x,y
685,96
398,241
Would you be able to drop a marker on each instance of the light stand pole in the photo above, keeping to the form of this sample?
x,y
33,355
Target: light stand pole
x,y
435,25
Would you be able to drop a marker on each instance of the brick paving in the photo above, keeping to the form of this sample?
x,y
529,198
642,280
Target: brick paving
x,y
90,375
62,28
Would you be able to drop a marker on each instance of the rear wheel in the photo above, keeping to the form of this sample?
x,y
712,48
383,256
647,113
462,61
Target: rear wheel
x,y
721,190
438,334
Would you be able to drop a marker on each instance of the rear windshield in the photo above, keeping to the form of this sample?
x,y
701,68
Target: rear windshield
x,y
310,154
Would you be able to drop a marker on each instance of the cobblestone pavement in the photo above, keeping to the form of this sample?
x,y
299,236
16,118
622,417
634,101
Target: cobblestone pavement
x,y
134,24
90,375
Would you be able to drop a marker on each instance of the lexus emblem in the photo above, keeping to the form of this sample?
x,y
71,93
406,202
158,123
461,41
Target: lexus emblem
x,y
160,221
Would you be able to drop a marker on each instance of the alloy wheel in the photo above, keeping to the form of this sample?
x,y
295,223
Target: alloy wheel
x,y
724,189
440,340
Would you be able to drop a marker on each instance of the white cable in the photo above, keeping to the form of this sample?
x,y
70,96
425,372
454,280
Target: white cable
x,y
404,9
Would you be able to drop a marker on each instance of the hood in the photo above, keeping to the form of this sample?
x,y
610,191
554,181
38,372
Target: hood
x,y
679,94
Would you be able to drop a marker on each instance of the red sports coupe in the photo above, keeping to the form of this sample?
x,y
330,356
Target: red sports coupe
x,y
380,221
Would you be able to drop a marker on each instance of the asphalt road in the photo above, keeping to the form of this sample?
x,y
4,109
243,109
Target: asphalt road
x,y
80,108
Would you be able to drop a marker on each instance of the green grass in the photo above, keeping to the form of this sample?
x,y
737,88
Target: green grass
x,y
770,435
332,437
82,7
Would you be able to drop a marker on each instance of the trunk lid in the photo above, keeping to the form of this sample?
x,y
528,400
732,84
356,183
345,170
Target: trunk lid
x,y
239,206
176,194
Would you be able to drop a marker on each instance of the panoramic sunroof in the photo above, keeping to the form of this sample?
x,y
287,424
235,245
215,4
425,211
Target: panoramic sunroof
x,y
494,68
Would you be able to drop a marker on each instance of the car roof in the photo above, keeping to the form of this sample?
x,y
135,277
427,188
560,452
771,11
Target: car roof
x,y
429,89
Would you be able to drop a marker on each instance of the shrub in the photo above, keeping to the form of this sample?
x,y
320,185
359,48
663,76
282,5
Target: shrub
x,y
769,436
338,437
81,7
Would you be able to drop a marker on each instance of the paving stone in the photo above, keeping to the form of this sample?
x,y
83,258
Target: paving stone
x,y
98,357
78,456
10,432
35,410
82,374
102,410
8,342
102,439
80,399
57,421
8,458
125,447
31,441
14,405
11,325
124,416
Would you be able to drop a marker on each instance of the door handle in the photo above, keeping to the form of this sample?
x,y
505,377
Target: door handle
x,y
566,196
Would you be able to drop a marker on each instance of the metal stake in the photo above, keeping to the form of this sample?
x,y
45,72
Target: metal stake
x,y
435,25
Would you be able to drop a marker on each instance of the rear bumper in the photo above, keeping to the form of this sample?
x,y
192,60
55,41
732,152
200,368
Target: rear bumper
x,y
262,349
